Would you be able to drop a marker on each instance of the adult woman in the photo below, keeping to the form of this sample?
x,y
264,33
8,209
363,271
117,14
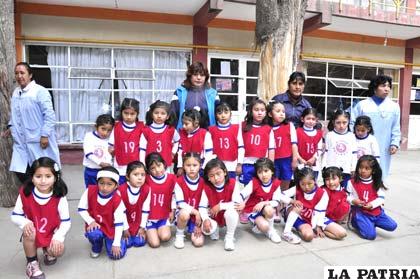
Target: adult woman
x,y
385,117
195,92
292,99
31,123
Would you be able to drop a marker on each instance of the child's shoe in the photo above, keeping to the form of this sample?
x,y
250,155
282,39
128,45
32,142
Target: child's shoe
x,y
291,238
243,218
273,236
33,271
256,230
49,260
229,244
179,241
94,255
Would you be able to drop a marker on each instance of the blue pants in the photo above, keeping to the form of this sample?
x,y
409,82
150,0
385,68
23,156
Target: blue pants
x,y
365,224
90,176
135,241
97,238
248,172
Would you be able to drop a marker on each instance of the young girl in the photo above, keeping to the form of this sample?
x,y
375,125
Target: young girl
x,y
193,138
217,200
102,210
159,135
260,197
125,138
338,207
340,145
42,213
285,153
228,144
95,147
365,140
162,187
192,187
367,196
309,140
136,197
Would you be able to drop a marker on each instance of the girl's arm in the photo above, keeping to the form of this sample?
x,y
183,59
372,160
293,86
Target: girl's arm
x,y
111,142
179,199
119,216
208,149
145,210
271,146
203,207
63,211
243,195
353,197
18,216
82,208
241,151
228,205
319,211
179,161
46,107
294,141
375,148
279,196
353,147
379,201
143,147
175,143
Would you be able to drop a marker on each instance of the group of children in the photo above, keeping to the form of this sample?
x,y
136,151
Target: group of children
x,y
227,173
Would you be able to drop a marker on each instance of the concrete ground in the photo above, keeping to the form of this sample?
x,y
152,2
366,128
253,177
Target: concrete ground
x,y
255,256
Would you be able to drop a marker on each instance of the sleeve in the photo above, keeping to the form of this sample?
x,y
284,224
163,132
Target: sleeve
x,y
179,154
179,199
175,142
291,192
119,216
243,195
375,148
380,200
18,216
143,146
203,206
352,194
63,211
241,149
279,196
46,108
175,106
89,149
395,128
82,208
208,149
271,143
111,140
319,211
355,112
293,136
229,205
145,211
353,153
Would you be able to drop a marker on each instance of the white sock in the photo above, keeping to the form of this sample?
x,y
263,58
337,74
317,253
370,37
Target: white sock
x,y
291,219
231,218
270,224
179,231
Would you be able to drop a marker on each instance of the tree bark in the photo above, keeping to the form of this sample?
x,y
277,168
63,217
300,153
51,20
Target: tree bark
x,y
8,181
278,32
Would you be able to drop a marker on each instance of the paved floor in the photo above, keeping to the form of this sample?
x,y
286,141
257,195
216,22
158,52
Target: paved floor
x,y
254,256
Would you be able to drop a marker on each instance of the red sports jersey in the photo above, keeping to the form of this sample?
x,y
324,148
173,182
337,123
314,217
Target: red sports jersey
x,y
307,145
308,205
215,197
283,141
338,205
191,197
258,194
133,211
46,218
126,145
161,197
225,142
256,141
161,143
194,142
367,193
103,214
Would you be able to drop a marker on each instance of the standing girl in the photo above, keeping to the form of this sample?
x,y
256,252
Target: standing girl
x,y
193,138
217,200
42,213
192,187
367,196
228,144
159,135
365,140
125,138
136,197
95,147
102,210
309,141
340,145
285,153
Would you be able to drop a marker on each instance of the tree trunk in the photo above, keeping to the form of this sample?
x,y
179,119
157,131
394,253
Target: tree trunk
x,y
278,32
8,181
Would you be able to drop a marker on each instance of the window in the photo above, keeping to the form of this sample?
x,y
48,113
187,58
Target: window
x,y
415,95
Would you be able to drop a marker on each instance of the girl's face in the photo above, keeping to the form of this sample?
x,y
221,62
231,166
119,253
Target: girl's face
x,y
129,115
332,182
197,80
278,113
104,130
365,170
296,88
159,115
265,175
157,169
361,131
217,176
341,124
309,120
22,76
106,185
43,179
258,113
191,167
223,117
383,90
137,177
189,125
307,184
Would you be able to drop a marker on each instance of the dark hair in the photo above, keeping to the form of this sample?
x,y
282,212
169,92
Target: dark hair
x,y
376,171
59,186
111,169
331,172
128,103
296,76
154,158
194,155
264,163
104,119
306,112
223,107
215,163
271,104
248,117
171,121
300,174
192,115
379,80
134,165
363,120
196,68
26,65
335,115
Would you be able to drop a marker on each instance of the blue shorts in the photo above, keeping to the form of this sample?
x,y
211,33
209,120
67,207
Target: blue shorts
x,y
283,168
299,221
97,238
248,172
156,224
90,176
253,216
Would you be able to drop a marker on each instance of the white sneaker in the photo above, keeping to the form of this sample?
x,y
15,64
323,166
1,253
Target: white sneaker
x,y
256,230
273,236
229,244
179,241
215,235
291,238
94,255
33,271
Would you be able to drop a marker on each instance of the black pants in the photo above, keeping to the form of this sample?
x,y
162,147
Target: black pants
x,y
23,177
